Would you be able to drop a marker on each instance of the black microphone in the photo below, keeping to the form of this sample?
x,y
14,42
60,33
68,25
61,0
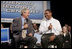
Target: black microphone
x,y
26,19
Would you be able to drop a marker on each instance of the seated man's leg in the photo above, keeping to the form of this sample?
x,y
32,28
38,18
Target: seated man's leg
x,y
31,41
59,41
44,41
16,39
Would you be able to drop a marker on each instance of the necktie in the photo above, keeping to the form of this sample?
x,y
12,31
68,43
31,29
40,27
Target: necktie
x,y
24,32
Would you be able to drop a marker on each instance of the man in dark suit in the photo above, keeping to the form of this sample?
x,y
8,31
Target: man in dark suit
x,y
19,25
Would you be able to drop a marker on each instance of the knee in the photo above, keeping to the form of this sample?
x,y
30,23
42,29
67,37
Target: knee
x,y
43,38
35,39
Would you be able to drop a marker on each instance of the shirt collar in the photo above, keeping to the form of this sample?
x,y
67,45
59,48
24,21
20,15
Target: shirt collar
x,y
22,17
50,19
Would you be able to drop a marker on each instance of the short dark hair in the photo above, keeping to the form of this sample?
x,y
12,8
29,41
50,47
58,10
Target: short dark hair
x,y
48,10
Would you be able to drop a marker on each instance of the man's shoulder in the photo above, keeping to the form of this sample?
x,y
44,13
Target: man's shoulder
x,y
16,19
29,20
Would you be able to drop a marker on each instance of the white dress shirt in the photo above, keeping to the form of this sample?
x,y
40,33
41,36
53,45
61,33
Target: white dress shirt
x,y
56,27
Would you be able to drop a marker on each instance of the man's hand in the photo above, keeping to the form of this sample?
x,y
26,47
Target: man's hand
x,y
25,26
50,26
52,37
30,34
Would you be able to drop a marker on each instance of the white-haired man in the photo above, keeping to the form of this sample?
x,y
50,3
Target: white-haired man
x,y
24,23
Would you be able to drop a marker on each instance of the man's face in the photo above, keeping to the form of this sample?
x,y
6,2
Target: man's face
x,y
48,14
64,29
26,14
69,28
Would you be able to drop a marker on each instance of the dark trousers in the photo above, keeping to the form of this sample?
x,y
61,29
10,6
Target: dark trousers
x,y
28,41
57,41
16,39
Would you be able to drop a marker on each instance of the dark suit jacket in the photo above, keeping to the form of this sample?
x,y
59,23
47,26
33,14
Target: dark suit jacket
x,y
17,26
66,38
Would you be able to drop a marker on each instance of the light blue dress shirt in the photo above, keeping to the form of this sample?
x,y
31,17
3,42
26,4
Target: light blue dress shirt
x,y
22,18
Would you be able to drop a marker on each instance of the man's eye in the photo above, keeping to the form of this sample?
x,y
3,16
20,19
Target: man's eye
x,y
46,13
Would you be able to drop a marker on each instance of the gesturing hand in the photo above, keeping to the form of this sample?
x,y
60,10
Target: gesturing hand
x,y
50,26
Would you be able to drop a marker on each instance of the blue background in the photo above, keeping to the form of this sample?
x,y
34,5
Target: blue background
x,y
38,6
4,35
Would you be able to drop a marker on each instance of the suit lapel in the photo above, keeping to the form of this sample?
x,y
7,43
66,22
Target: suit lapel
x,y
20,23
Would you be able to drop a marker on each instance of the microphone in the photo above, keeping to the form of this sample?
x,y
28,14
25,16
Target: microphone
x,y
26,19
